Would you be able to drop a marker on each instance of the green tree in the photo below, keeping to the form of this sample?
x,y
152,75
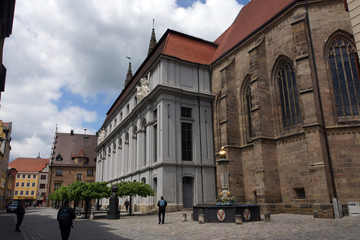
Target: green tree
x,y
87,191
60,194
133,189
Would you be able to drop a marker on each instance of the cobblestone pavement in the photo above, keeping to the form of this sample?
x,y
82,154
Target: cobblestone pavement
x,y
40,223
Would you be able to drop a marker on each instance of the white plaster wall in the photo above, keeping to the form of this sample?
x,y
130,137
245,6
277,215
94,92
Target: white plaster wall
x,y
127,163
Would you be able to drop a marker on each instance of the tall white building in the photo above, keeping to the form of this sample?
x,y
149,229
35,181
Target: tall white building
x,y
159,130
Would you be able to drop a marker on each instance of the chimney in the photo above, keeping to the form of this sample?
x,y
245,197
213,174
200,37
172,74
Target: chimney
x,y
72,132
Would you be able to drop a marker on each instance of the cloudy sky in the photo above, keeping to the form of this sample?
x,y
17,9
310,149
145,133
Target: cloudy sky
x,y
66,59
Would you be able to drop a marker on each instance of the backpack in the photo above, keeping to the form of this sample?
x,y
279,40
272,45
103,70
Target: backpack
x,y
64,216
162,203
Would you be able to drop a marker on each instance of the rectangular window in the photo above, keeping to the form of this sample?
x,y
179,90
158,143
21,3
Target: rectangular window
x,y
17,184
42,185
186,112
90,172
23,184
18,176
16,193
21,193
34,175
32,193
29,175
42,194
23,176
186,141
155,143
28,184
27,193
58,172
78,177
57,185
43,177
33,184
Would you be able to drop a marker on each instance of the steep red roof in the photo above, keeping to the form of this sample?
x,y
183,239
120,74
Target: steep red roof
x,y
189,48
251,17
29,164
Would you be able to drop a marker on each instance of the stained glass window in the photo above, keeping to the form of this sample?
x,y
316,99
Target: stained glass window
x,y
345,79
289,98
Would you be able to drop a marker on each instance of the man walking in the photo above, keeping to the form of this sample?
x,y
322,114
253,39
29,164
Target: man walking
x,y
126,204
162,207
65,216
20,213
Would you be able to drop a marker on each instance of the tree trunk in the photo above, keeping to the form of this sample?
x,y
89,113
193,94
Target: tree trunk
x,y
130,207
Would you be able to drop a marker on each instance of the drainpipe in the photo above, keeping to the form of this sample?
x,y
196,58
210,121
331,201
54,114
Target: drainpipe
x,y
319,99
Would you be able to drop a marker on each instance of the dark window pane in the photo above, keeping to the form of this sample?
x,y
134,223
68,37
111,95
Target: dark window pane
x,y
345,79
289,99
186,112
186,141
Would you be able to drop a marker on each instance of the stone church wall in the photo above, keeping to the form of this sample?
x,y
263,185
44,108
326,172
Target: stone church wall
x,y
287,169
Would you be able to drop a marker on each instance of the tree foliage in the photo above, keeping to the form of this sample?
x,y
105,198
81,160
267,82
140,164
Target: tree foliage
x,y
82,191
60,194
133,189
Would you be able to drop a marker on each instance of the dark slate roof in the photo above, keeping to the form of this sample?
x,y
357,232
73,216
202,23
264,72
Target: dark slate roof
x,y
68,145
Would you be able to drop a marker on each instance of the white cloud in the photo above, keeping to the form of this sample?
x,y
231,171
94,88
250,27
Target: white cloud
x,y
80,46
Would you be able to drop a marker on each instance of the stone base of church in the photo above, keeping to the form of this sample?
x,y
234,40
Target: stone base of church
x,y
318,210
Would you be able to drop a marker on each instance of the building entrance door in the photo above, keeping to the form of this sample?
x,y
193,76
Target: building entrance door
x,y
188,192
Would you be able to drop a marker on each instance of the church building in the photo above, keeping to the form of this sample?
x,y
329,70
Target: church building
x,y
286,79
159,130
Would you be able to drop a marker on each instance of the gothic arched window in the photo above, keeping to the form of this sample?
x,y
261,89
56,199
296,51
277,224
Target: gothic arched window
x,y
248,111
345,78
289,98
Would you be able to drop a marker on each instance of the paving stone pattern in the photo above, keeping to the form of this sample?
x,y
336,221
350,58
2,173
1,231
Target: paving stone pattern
x,y
41,224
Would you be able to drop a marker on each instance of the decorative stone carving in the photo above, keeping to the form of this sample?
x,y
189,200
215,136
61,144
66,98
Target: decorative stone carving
x,y
143,89
101,135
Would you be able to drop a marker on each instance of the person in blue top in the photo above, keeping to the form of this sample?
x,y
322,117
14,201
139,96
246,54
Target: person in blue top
x,y
162,207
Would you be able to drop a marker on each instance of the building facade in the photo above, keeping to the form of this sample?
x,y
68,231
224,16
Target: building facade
x,y
353,7
287,105
7,8
5,147
27,183
73,158
159,130
10,185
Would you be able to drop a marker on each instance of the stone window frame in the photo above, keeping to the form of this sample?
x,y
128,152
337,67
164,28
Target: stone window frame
x,y
246,108
294,119
344,118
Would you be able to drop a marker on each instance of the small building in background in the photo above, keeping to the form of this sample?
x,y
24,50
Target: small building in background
x,y
73,158
10,185
30,170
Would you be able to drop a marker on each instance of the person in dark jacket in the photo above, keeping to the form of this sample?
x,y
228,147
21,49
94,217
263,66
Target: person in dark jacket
x,y
65,216
162,208
20,213
126,203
